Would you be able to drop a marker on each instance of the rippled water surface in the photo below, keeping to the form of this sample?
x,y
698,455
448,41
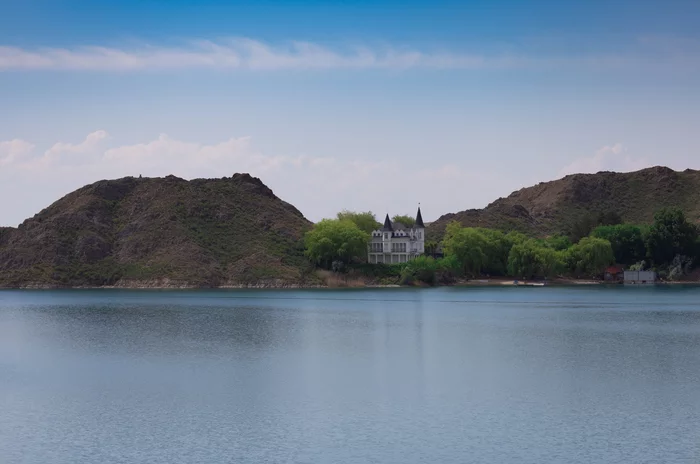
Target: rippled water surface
x,y
482,375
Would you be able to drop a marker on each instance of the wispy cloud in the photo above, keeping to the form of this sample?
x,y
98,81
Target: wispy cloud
x,y
243,53
608,158
238,54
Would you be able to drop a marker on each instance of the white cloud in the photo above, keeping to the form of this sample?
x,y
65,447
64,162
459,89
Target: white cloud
x,y
237,54
13,151
319,186
65,153
245,53
609,158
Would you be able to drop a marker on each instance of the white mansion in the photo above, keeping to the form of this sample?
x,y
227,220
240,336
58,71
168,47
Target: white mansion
x,y
396,243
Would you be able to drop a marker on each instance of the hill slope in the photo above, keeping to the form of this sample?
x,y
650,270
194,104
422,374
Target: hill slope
x,y
158,232
552,207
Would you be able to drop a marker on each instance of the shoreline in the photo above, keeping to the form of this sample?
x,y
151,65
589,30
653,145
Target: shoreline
x,y
497,282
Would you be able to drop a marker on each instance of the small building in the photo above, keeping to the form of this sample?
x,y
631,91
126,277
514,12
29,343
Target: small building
x,y
395,243
640,277
614,274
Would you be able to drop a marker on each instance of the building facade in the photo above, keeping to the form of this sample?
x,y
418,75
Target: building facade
x,y
640,277
395,243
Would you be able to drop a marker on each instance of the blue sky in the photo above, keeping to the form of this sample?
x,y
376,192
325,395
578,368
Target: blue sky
x,y
361,105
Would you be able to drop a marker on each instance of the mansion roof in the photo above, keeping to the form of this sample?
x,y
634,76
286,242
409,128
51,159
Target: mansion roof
x,y
390,226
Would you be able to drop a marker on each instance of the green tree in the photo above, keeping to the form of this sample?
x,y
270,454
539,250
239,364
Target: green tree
x,y
533,259
589,257
366,221
335,240
550,262
557,242
669,236
408,221
467,245
430,271
430,247
514,237
496,248
448,269
522,260
627,242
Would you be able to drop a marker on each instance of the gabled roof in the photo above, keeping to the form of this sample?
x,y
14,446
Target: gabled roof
x,y
387,225
616,269
419,219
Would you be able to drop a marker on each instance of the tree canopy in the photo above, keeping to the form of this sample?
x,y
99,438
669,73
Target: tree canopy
x,y
669,236
467,245
533,259
365,221
627,242
335,240
589,257
487,251
406,220
557,242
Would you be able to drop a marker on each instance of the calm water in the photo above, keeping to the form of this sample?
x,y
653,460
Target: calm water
x,y
521,375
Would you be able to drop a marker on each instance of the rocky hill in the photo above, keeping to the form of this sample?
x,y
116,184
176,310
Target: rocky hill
x,y
158,232
553,207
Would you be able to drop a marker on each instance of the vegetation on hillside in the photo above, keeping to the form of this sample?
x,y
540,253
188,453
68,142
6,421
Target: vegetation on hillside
x,y
131,231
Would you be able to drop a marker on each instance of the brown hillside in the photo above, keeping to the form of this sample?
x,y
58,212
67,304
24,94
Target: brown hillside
x,y
158,231
552,207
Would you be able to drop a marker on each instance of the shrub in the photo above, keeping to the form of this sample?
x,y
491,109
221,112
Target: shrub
x,y
421,269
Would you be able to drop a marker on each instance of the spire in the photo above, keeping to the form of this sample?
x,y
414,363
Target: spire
x,y
387,225
419,219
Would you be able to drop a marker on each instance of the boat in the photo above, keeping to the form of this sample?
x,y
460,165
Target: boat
x,y
528,284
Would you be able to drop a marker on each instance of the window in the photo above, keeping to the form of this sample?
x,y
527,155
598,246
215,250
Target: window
x,y
398,247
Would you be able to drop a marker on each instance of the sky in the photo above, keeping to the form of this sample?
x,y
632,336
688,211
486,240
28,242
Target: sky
x,y
379,105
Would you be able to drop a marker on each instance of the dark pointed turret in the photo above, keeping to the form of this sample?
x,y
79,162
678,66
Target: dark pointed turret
x,y
419,219
387,225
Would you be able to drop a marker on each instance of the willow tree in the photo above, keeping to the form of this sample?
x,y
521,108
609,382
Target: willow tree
x,y
366,221
335,240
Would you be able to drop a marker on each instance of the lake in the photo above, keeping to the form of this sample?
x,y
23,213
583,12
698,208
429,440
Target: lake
x,y
446,375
